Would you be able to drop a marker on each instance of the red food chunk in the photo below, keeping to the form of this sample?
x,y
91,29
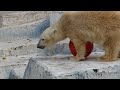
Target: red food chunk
x,y
89,48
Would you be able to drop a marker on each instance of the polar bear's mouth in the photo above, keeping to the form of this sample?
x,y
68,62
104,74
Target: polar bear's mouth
x,y
40,46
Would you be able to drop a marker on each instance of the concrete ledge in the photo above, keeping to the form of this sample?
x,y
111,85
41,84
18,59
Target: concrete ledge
x,y
64,67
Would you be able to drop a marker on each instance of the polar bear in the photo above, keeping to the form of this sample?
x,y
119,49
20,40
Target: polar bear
x,y
100,27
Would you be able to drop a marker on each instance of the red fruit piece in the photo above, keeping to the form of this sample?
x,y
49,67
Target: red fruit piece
x,y
89,48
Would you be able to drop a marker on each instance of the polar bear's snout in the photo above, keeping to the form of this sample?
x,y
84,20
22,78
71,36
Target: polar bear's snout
x,y
40,46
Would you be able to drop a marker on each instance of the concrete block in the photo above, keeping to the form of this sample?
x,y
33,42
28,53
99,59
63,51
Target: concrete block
x,y
65,67
17,72
13,75
13,71
13,67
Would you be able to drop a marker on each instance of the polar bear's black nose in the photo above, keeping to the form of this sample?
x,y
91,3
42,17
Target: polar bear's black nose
x,y
40,46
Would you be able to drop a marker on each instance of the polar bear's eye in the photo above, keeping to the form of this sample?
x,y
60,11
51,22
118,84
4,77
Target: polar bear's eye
x,y
42,39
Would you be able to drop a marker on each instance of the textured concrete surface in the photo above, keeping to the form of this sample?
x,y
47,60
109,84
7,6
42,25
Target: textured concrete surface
x,y
21,17
61,67
30,30
55,16
8,12
29,46
13,66
8,72
13,75
17,72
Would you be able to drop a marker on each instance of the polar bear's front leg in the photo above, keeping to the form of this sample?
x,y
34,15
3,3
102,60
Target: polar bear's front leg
x,y
80,49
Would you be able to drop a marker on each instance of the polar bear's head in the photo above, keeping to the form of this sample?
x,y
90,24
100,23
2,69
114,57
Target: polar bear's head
x,y
51,36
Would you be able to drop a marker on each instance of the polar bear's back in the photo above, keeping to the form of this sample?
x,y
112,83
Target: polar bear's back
x,y
90,24
106,20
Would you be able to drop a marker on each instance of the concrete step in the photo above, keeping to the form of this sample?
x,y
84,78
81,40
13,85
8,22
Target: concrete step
x,y
65,67
28,30
12,18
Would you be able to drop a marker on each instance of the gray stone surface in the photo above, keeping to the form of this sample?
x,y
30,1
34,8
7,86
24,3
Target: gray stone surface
x,y
12,67
20,17
29,46
64,67
13,75
8,12
24,31
55,16
17,72
3,74
13,71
